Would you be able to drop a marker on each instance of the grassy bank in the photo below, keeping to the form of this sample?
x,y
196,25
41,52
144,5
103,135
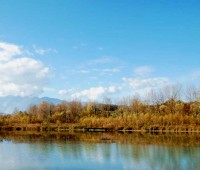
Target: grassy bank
x,y
146,122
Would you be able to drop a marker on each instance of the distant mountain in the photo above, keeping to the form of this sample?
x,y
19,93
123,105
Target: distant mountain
x,y
9,104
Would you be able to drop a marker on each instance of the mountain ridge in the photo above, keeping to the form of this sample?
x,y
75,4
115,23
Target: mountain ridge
x,y
9,104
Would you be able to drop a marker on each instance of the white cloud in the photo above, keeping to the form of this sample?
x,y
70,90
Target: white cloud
x,y
129,86
112,89
100,66
7,51
106,71
49,89
95,93
20,75
43,51
64,92
102,71
92,93
139,83
142,86
143,70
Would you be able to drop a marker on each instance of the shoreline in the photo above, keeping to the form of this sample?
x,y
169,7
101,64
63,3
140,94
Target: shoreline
x,y
78,128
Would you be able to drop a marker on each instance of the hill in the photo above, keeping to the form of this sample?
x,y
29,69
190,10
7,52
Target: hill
x,y
9,104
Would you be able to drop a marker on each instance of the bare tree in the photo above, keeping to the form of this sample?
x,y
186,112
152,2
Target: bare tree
x,y
172,92
192,93
125,103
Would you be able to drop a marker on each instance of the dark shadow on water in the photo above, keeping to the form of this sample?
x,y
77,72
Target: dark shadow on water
x,y
169,139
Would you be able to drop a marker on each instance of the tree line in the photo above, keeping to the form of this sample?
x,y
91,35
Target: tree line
x,y
170,106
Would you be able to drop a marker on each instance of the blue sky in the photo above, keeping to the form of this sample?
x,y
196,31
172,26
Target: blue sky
x,y
90,49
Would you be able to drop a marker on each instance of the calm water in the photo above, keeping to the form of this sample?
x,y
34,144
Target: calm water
x,y
99,151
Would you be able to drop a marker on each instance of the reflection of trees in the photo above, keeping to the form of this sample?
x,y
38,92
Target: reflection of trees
x,y
163,157
171,139
155,151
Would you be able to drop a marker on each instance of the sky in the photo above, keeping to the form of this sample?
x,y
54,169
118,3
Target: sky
x,y
92,49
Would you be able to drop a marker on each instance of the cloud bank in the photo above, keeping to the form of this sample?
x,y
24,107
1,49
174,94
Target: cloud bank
x,y
143,70
95,93
20,74
139,83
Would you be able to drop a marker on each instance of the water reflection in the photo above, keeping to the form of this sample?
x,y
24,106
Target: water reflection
x,y
99,151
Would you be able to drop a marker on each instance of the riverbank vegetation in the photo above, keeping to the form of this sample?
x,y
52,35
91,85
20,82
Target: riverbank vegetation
x,y
163,110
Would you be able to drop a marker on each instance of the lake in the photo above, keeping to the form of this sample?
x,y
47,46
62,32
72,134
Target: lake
x,y
99,151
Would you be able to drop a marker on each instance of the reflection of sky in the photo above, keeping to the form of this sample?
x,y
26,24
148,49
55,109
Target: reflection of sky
x,y
83,156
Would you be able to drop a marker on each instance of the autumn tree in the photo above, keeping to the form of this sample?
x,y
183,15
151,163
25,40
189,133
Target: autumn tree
x,y
33,113
60,112
74,111
45,111
90,109
136,106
